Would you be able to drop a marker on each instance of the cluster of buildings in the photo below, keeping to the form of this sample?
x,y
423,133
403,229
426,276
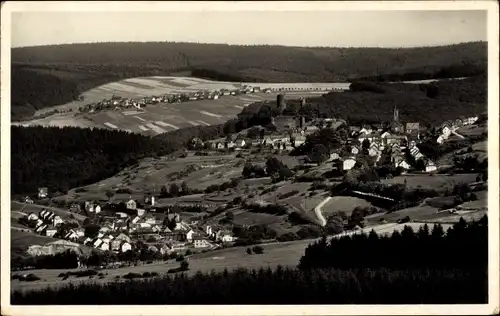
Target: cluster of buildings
x,y
450,127
396,140
120,231
45,223
117,103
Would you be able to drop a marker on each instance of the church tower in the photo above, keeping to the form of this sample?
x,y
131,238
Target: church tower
x,y
395,114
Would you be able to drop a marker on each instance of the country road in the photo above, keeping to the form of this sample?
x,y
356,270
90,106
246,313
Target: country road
x,y
317,210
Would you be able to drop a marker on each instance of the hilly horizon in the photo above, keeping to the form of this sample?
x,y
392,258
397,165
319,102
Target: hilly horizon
x,y
45,76
247,45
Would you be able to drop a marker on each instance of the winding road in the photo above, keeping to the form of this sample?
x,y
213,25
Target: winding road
x,y
317,210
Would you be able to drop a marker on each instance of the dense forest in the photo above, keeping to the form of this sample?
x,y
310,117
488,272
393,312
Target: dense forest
x,y
425,248
63,158
44,76
424,267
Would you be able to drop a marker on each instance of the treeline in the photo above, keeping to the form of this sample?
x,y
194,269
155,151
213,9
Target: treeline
x,y
374,103
274,287
425,248
80,67
464,69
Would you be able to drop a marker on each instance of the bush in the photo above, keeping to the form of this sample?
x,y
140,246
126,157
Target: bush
x,y
184,265
258,250
179,258
146,275
249,251
288,194
132,275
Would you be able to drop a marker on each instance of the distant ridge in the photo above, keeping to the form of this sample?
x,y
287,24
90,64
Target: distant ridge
x,y
45,76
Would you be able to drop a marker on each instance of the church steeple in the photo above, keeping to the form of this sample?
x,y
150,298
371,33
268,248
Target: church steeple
x,y
395,114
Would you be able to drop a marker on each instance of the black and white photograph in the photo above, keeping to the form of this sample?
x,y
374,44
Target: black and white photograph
x,y
277,155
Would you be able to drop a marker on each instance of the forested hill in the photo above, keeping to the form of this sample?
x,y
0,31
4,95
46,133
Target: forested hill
x,y
44,76
64,158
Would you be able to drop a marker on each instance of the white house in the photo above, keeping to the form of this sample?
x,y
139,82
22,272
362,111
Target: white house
x,y
441,139
354,150
121,214
97,243
140,212
334,156
366,130
446,131
190,235
126,247
226,237
348,163
208,230
135,220
150,220
104,246
403,164
97,209
50,232
87,241
201,243
32,217
430,166
471,120
57,220
41,228
42,193
131,205
71,235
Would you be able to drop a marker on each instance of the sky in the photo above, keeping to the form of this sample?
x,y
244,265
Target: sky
x,y
290,28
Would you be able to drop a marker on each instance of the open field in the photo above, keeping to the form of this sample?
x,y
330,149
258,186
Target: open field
x,y
29,208
427,213
151,173
437,181
344,204
160,118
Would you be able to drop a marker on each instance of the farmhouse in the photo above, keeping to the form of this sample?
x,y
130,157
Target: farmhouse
x,y
50,231
430,166
348,163
131,205
201,243
43,192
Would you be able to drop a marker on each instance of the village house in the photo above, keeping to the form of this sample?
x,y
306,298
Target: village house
x,y
41,228
374,150
355,150
334,156
141,212
413,129
366,130
430,166
71,235
32,217
50,231
43,193
348,163
57,220
28,200
201,243
131,205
